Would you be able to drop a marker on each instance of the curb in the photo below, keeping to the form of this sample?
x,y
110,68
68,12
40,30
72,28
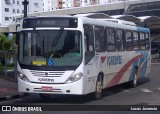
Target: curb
x,y
156,63
13,96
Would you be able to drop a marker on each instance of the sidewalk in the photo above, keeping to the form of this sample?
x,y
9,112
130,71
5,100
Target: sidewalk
x,y
9,90
155,60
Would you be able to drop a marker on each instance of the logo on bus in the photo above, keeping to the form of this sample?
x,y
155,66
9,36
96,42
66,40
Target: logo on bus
x,y
114,60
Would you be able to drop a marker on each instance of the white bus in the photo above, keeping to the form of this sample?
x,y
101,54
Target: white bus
x,y
78,55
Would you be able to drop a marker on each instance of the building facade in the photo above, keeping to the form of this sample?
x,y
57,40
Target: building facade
x,y
9,9
51,5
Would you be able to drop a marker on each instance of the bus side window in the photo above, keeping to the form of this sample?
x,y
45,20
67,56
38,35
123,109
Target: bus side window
x,y
110,36
147,41
99,39
136,43
129,42
142,41
89,38
120,40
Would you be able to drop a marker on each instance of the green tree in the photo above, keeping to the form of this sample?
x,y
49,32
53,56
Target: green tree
x,y
6,45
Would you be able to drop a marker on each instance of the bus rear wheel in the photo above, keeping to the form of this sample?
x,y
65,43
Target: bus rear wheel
x,y
135,79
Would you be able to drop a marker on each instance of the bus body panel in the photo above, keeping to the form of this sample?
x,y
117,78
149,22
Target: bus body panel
x,y
115,73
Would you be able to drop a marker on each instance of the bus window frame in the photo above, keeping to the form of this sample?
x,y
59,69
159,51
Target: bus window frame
x,y
89,54
101,44
131,40
123,39
148,41
113,44
138,41
144,43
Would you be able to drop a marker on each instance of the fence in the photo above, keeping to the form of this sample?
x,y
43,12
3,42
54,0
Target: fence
x,y
8,65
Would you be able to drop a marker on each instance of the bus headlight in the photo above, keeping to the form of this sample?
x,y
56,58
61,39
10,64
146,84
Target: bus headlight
x,y
22,77
74,78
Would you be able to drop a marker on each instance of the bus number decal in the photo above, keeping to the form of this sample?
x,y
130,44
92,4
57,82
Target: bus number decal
x,y
45,80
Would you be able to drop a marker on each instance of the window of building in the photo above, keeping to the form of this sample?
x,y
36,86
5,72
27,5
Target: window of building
x,y
14,11
99,39
22,11
13,1
36,4
60,3
14,19
128,38
136,44
6,18
17,2
17,10
120,40
6,9
110,36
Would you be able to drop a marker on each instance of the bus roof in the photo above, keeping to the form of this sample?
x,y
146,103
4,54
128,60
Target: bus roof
x,y
100,21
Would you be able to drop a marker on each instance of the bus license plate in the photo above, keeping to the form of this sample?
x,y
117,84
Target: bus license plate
x,y
47,88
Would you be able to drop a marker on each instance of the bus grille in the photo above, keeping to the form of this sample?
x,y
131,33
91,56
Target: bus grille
x,y
47,73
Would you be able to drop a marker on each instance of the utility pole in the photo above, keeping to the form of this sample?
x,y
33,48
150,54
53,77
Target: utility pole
x,y
25,3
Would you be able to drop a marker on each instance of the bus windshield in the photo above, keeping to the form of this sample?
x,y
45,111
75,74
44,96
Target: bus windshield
x,y
50,48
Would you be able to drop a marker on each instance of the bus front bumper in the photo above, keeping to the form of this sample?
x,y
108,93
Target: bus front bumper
x,y
75,88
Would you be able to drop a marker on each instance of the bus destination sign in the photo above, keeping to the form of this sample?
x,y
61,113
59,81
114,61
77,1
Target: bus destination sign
x,y
49,22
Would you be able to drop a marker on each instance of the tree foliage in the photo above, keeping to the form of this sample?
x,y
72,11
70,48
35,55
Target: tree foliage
x,y
6,45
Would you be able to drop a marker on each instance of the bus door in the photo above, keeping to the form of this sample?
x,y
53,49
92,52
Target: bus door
x,y
89,50
89,58
100,55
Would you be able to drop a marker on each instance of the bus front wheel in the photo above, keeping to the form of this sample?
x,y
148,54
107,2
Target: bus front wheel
x,y
99,88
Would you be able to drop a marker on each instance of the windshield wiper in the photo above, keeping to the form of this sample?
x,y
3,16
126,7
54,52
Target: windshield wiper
x,y
41,39
58,36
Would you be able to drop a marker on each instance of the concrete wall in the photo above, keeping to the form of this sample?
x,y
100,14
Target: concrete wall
x,y
94,8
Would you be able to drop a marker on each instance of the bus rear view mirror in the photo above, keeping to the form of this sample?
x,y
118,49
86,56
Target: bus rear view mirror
x,y
17,37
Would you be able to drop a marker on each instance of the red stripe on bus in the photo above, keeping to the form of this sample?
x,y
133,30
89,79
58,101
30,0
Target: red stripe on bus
x,y
119,75
103,58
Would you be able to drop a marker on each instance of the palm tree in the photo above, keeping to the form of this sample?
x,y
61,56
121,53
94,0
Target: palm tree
x,y
6,45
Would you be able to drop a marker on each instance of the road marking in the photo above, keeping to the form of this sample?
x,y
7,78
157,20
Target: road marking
x,y
146,90
126,90
10,101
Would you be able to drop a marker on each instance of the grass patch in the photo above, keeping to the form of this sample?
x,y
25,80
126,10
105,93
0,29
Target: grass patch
x,y
8,67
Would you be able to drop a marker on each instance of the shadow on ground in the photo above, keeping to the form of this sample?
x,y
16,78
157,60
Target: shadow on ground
x,y
73,99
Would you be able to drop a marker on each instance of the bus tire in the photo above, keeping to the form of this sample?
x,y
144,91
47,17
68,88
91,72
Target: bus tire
x,y
135,78
45,96
99,88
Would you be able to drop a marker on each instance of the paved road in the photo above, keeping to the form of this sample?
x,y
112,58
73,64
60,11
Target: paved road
x,y
146,93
